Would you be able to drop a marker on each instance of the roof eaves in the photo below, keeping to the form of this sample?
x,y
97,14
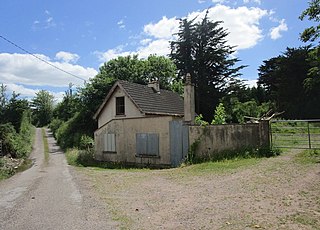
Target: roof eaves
x,y
95,116
164,114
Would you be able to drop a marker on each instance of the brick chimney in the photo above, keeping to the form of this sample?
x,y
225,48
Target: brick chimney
x,y
189,104
154,85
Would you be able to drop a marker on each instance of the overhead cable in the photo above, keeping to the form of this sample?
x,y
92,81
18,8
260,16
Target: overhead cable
x,y
41,59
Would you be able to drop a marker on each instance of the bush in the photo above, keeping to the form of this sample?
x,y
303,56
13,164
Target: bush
x,y
55,125
86,142
78,157
18,145
69,133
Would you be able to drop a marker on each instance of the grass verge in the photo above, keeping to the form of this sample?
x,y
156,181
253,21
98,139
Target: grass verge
x,y
308,157
45,145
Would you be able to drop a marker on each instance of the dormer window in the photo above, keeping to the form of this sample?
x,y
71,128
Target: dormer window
x,y
120,106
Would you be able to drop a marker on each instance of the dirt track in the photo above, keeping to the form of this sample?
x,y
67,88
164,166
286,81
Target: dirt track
x,y
274,193
47,196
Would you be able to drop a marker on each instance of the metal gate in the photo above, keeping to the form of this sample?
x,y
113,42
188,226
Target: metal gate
x,y
179,142
297,134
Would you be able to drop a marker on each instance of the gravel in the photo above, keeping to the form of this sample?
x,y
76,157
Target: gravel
x,y
47,196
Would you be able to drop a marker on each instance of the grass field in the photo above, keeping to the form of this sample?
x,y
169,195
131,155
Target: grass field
x,y
295,134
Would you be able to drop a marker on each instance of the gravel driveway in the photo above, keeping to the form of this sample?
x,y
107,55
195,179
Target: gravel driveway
x,y
48,196
273,193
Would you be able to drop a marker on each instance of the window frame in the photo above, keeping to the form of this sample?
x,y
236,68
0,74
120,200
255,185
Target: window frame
x,y
120,106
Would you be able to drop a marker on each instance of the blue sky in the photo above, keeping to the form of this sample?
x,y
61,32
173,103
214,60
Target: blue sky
x,y
78,36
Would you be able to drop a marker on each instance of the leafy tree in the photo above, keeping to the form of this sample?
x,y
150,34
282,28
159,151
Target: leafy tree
x,y
15,124
14,111
312,12
312,34
65,109
284,78
42,105
202,51
219,115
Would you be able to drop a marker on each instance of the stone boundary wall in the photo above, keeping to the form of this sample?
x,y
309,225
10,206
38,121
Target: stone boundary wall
x,y
217,138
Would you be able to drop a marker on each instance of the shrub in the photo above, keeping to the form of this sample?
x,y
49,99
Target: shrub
x,y
219,115
17,144
86,142
55,125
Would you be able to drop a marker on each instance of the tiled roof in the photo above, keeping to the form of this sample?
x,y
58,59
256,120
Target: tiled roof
x,y
148,101
151,102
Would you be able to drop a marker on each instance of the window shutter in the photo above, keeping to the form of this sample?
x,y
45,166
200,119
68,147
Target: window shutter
x,y
147,144
109,142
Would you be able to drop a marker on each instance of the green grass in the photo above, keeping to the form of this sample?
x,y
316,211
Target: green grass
x,y
295,134
308,157
220,166
45,145
306,220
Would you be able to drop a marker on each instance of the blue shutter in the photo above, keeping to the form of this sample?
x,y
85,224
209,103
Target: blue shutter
x,y
147,144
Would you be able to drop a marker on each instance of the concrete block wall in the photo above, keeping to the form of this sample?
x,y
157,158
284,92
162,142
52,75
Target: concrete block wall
x,y
217,138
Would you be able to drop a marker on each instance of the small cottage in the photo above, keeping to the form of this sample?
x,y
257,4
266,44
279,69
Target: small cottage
x,y
137,126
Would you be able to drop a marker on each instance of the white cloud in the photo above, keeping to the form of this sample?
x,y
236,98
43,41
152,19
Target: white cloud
x,y
275,32
201,1
218,1
242,24
254,1
67,57
26,92
121,24
159,47
112,54
164,29
145,41
27,70
46,23
251,83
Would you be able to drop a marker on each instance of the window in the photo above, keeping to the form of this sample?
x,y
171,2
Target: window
x,y
109,142
147,144
120,106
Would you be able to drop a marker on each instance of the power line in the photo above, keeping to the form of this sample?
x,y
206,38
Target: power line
x,y
41,59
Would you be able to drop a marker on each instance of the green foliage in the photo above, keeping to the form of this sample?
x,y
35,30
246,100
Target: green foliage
x,y
313,13
67,107
69,133
250,109
18,145
78,157
42,105
219,115
177,86
199,121
310,156
45,145
55,125
191,152
201,50
284,78
86,142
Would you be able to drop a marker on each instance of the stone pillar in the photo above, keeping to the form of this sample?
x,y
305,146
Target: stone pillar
x,y
189,104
